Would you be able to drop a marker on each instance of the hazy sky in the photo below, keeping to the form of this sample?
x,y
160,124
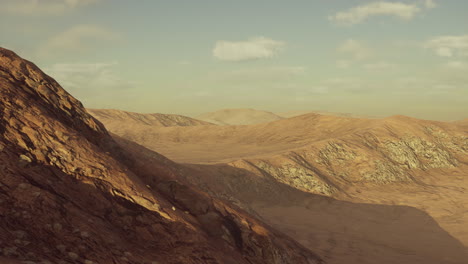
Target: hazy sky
x,y
187,57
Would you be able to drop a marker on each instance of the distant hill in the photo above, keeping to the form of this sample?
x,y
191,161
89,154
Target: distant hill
x,y
294,113
118,117
239,116
463,123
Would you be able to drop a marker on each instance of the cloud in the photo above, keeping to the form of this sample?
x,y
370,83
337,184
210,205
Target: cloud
x,y
361,13
83,78
76,39
444,52
430,4
354,49
41,7
449,46
252,49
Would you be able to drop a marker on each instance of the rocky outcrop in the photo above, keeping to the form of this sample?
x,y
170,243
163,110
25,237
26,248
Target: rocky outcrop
x,y
383,153
69,193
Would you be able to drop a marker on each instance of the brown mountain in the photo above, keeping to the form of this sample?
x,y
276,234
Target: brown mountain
x,y
239,116
114,118
401,183
293,113
70,193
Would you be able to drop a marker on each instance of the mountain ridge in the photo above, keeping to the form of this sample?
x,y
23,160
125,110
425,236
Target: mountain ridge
x,y
377,162
153,119
238,116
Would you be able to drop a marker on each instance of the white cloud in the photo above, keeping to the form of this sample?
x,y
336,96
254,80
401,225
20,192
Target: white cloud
x,y
76,39
41,7
356,50
359,14
449,46
430,4
381,65
85,77
444,52
254,48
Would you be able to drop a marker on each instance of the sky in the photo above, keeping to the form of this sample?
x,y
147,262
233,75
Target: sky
x,y
373,58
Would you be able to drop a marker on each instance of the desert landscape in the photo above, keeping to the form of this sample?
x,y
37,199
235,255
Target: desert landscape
x,y
216,132
399,173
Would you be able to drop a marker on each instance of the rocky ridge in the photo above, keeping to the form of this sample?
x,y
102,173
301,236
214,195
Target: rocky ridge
x,y
69,193
239,116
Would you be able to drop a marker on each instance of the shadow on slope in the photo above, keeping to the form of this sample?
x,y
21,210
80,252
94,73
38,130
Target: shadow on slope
x,y
341,232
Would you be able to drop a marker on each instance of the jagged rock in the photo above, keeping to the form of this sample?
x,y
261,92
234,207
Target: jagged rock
x,y
61,248
72,255
85,234
10,251
20,234
57,227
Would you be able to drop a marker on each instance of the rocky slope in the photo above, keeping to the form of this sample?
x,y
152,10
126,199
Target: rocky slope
x,y
115,118
69,193
214,144
238,116
316,153
389,150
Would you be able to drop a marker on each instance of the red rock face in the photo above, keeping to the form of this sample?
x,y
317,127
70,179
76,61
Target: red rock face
x,y
70,194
